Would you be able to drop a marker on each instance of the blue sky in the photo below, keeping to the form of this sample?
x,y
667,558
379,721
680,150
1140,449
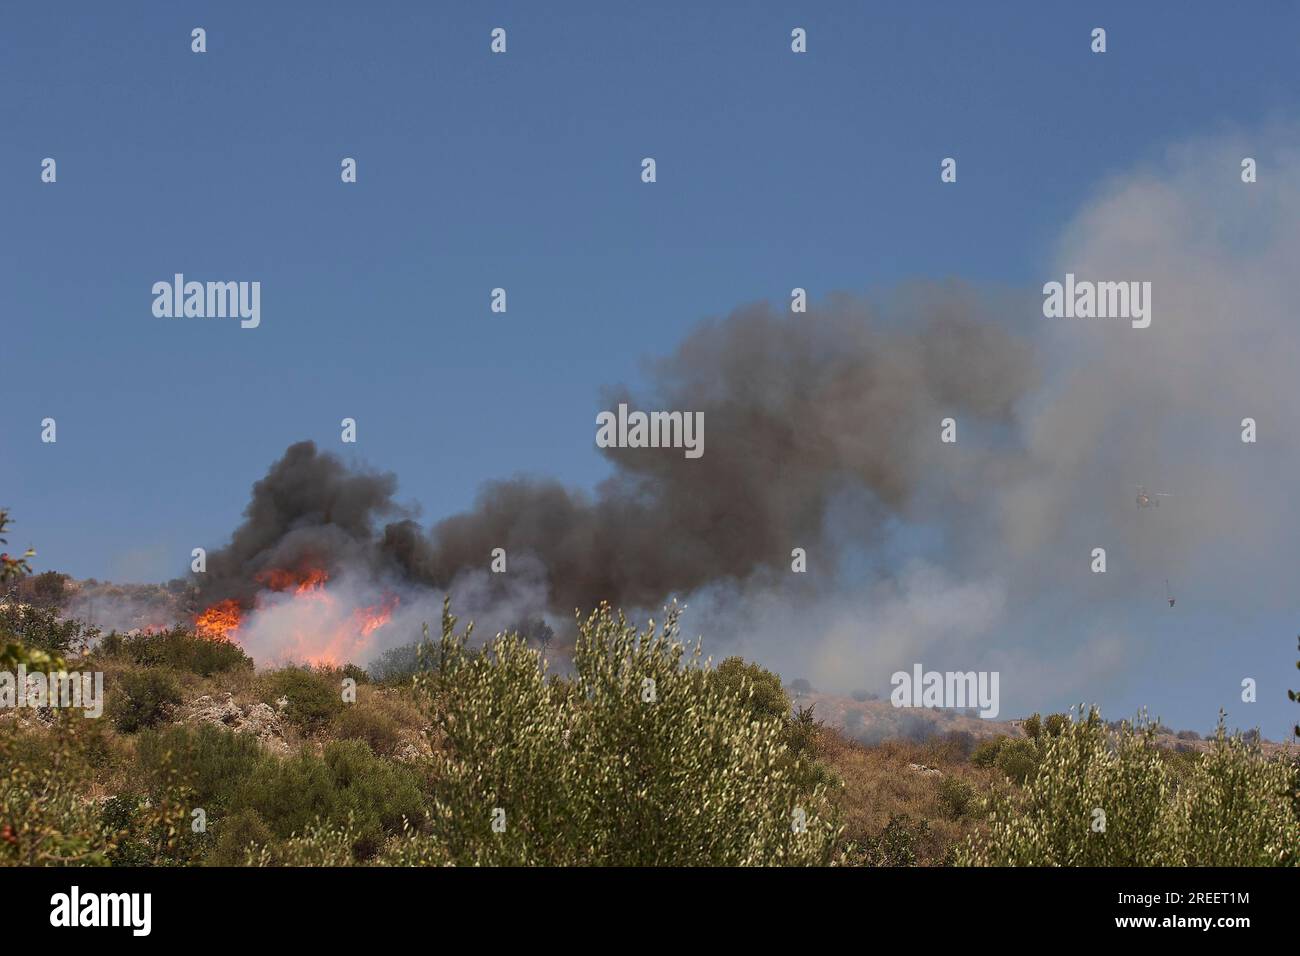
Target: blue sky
x,y
520,171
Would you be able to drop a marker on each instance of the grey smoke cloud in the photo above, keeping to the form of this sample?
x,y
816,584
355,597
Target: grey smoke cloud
x,y
824,434
804,409
311,510
1117,407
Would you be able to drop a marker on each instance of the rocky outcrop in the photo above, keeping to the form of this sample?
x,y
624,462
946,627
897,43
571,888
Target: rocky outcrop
x,y
258,719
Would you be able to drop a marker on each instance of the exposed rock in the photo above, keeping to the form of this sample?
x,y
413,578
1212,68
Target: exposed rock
x,y
257,719
924,770
413,749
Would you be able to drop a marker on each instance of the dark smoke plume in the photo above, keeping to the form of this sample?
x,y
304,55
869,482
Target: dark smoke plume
x,y
309,511
799,409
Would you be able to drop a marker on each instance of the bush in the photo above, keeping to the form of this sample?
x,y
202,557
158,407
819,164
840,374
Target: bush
x,y
287,794
397,665
641,759
1106,798
41,629
378,729
142,699
896,845
1055,724
314,699
377,793
349,786
151,832
118,816
757,686
1018,759
210,760
1234,809
49,588
354,673
803,733
955,745
1033,727
986,753
236,836
178,648
956,797
44,821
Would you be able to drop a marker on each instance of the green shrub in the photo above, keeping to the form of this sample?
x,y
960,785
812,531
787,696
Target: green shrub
x,y
956,797
41,629
1055,724
375,794
986,752
50,588
398,665
142,699
288,794
1234,808
322,844
803,732
758,687
348,785
314,699
896,845
363,722
355,673
641,759
178,648
44,820
236,836
212,761
118,816
1018,759
1107,798
1033,727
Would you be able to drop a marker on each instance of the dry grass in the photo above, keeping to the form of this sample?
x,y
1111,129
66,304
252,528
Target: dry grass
x,y
879,785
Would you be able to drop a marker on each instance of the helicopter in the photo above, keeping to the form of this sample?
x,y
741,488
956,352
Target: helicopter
x,y
1145,500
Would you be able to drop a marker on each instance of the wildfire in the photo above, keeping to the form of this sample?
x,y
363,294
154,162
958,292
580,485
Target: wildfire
x,y
219,622
296,618
277,579
370,619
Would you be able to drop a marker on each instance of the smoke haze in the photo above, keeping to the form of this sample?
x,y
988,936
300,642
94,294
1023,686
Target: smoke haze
x,y
824,434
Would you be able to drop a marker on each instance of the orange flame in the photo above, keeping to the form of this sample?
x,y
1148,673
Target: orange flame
x,y
219,622
278,579
315,629
370,619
